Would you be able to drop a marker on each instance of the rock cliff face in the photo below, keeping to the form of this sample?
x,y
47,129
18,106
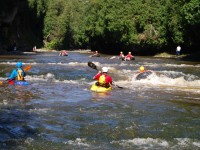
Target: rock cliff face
x,y
8,17
17,25
8,11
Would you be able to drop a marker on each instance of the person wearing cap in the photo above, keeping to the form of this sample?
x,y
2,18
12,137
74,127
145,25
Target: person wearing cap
x,y
129,56
121,55
17,74
142,69
143,73
103,78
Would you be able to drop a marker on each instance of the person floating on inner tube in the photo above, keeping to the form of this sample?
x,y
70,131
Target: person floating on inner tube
x,y
96,54
143,74
17,74
63,53
121,55
103,78
129,56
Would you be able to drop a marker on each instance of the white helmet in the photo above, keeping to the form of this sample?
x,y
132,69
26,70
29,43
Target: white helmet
x,y
105,69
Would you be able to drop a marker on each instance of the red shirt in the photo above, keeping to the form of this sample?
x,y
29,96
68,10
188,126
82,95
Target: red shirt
x,y
65,52
108,78
121,55
129,56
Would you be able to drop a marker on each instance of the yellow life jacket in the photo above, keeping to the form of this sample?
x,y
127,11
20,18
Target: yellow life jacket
x,y
20,76
102,80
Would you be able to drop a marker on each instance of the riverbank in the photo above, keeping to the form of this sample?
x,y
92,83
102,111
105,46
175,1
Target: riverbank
x,y
71,50
167,55
186,57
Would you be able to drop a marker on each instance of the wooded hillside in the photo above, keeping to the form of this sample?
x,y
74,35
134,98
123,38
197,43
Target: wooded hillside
x,y
110,26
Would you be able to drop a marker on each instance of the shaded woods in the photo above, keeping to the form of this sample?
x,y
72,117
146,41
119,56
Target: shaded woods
x,y
109,26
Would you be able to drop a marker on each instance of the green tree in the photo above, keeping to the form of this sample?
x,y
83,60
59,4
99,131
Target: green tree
x,y
113,25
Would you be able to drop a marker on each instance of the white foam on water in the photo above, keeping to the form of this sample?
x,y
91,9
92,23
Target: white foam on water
x,y
40,110
180,65
59,63
123,64
29,141
14,63
196,144
46,77
8,63
99,64
143,64
5,102
163,80
78,142
155,65
183,141
187,141
51,77
70,81
142,142
123,82
113,57
77,64
125,71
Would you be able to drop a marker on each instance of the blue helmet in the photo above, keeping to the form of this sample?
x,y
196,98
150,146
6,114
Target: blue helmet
x,y
19,64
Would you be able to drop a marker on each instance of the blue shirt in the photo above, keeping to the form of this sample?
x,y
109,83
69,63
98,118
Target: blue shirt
x,y
15,73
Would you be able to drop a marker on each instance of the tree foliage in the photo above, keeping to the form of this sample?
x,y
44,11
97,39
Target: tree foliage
x,y
113,25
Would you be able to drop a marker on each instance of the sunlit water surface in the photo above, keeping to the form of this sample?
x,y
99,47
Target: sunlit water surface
x,y
58,110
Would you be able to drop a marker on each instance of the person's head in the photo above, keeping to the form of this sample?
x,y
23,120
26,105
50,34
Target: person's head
x,y
105,69
19,64
121,52
129,52
142,69
96,51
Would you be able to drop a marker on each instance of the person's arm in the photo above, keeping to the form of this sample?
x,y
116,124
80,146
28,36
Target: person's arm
x,y
96,77
127,56
111,80
108,80
13,75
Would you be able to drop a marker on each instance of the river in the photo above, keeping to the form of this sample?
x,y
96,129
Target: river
x,y
58,110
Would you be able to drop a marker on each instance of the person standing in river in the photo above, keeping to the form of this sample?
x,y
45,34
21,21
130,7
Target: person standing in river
x,y
178,50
